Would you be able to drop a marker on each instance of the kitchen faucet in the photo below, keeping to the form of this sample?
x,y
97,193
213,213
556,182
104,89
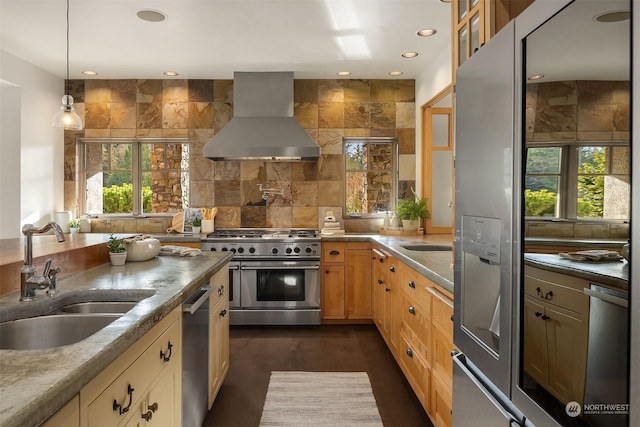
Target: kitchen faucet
x,y
29,280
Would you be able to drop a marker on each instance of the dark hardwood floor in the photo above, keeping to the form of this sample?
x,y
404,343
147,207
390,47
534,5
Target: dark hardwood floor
x,y
256,351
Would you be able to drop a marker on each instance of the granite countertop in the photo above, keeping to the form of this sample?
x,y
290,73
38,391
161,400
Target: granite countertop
x,y
34,384
614,274
437,266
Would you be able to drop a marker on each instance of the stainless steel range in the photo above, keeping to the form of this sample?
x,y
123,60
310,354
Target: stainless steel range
x,y
274,274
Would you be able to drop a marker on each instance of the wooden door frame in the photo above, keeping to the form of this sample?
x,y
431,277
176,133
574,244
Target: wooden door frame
x,y
426,143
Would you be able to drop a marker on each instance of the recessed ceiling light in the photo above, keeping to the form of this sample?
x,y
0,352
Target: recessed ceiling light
x,y
536,77
170,73
410,54
344,73
89,73
613,16
395,73
427,32
151,15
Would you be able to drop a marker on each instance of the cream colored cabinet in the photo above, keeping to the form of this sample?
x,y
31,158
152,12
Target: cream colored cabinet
x,y
556,313
67,416
346,281
218,333
145,382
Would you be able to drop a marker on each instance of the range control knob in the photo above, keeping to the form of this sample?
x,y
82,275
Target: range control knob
x,y
296,250
240,250
224,249
274,250
252,250
213,249
288,250
308,249
233,250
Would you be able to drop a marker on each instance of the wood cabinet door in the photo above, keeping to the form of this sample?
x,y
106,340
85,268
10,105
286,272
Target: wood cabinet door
x,y
535,341
360,303
164,402
333,292
566,344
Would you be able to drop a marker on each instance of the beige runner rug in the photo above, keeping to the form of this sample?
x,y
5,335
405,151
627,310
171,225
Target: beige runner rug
x,y
296,398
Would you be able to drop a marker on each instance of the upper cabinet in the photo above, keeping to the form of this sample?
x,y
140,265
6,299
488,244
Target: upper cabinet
x,y
476,21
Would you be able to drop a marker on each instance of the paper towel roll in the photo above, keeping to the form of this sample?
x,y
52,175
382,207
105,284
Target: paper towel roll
x,y
63,218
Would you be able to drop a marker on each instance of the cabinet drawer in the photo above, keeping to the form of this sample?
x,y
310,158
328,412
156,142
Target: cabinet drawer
x,y
334,252
441,403
416,370
557,294
415,286
416,326
441,311
128,388
221,282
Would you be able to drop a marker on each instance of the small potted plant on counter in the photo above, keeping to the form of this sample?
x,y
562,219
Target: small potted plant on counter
x,y
74,226
411,211
196,224
117,251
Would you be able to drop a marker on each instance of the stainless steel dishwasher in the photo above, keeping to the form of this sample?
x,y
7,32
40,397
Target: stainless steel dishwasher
x,y
606,384
195,356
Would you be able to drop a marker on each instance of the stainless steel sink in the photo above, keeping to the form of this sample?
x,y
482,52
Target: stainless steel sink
x,y
428,248
115,307
51,331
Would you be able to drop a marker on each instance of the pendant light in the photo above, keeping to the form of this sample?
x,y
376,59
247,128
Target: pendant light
x,y
67,117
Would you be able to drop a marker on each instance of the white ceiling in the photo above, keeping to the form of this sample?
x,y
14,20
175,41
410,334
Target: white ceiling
x,y
210,39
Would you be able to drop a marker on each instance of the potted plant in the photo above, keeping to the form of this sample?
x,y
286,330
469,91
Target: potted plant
x,y
74,226
117,251
196,224
410,211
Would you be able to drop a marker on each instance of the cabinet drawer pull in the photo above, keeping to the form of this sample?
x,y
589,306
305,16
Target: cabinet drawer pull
x,y
387,290
380,281
548,295
542,316
147,416
334,252
153,407
166,356
412,310
392,269
221,290
412,284
223,313
118,407
410,352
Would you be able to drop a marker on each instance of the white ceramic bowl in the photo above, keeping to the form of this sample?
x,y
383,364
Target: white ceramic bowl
x,y
142,250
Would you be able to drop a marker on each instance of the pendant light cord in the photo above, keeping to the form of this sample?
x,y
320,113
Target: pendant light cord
x,y
67,81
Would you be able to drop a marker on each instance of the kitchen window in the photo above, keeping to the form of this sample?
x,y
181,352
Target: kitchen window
x,y
134,176
578,181
370,175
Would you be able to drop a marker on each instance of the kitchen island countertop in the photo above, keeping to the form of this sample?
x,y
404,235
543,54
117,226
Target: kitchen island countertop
x,y
614,274
34,384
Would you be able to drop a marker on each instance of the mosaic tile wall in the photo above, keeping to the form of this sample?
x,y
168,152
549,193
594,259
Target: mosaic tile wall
x,y
578,111
197,109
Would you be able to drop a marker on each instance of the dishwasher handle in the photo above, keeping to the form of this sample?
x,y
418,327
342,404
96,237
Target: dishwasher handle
x,y
607,297
192,307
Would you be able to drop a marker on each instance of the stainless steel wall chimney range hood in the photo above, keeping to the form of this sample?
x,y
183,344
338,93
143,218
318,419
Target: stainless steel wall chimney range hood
x,y
262,127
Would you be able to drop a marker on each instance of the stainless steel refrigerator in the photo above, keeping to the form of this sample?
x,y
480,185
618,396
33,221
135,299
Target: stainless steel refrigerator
x,y
490,385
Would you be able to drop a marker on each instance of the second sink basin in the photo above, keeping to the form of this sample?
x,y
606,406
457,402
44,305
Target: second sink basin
x,y
116,307
428,248
51,331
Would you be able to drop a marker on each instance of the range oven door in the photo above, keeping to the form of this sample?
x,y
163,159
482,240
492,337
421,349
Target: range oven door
x,y
234,285
280,284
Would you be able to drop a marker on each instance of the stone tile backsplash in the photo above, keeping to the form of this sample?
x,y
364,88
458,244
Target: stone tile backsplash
x,y
198,109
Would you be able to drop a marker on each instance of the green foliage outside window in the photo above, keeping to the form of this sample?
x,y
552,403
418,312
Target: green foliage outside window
x,y
119,198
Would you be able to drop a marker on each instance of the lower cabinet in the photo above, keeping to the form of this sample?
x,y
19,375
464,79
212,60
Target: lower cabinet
x,y
218,333
67,416
143,387
556,332
414,316
346,281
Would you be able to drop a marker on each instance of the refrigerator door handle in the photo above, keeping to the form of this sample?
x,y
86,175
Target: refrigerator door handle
x,y
460,360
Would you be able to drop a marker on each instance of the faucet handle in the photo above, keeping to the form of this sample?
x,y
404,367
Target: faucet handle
x,y
47,267
52,276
